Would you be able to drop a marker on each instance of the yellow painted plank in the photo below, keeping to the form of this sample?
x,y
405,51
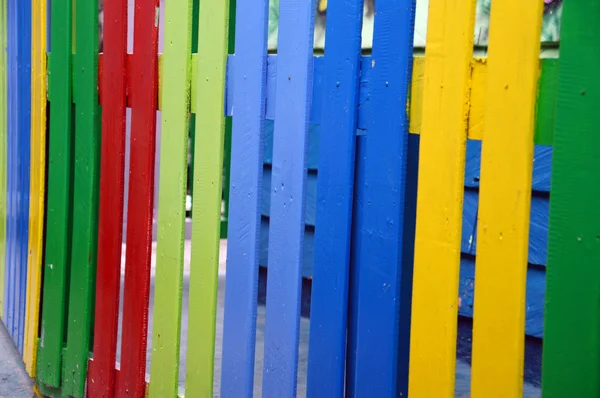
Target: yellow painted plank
x,y
37,182
440,197
505,198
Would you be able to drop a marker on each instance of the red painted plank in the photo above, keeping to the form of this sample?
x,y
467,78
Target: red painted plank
x,y
144,83
101,377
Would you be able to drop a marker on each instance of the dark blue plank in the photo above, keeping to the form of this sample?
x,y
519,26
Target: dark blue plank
x,y
239,329
378,317
24,133
286,234
335,188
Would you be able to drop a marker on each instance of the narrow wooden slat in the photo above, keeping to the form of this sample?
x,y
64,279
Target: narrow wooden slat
x,y
207,195
505,197
144,84
85,200
379,313
3,152
166,328
58,219
440,198
329,305
571,360
288,183
101,378
249,88
37,183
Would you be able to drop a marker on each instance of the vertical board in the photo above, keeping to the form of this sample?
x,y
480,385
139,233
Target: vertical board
x,y
288,184
85,200
440,198
37,183
101,378
176,73
249,93
329,305
58,208
378,327
571,360
504,201
3,152
207,195
144,75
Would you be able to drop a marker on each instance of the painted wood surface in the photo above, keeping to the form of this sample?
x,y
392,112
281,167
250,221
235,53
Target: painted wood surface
x,y
101,377
37,183
504,206
288,197
381,278
3,149
176,75
59,198
213,32
249,88
132,376
440,199
329,305
571,361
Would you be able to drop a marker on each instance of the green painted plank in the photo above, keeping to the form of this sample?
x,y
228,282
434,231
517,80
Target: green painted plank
x,y
59,199
571,357
176,74
3,136
546,102
207,197
85,199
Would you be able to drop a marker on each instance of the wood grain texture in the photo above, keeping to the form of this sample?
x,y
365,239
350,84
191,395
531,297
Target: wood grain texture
x,y
288,196
132,376
438,235
59,200
249,88
505,197
329,304
166,329
37,183
101,377
381,279
3,149
571,360
213,32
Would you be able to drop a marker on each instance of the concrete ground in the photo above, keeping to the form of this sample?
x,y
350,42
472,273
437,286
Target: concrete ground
x,y
14,382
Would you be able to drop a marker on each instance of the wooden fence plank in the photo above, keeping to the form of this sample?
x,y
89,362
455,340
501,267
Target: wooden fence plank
x,y
249,87
59,201
3,150
505,197
85,200
329,305
571,360
144,84
171,200
207,195
288,184
440,198
38,182
101,378
379,310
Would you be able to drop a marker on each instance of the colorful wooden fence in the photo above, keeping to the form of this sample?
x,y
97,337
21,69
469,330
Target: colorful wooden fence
x,y
75,293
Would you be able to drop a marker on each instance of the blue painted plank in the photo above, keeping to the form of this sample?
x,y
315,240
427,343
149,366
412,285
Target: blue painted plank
x,y
313,140
286,236
378,317
311,196
24,134
335,192
249,88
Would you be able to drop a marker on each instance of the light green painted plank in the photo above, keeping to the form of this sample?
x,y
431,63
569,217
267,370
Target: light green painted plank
x,y
3,165
176,74
207,195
